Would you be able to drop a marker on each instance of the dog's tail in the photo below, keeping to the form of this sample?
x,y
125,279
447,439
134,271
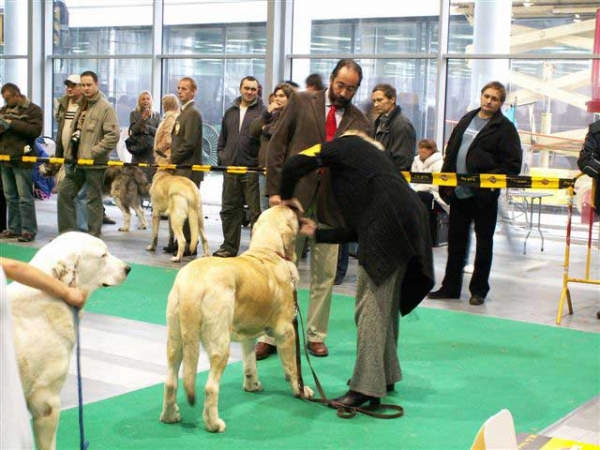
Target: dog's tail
x,y
142,182
190,334
193,220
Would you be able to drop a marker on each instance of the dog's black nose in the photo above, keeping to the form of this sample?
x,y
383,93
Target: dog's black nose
x,y
127,269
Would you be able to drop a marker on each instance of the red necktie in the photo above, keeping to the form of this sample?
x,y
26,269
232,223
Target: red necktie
x,y
330,124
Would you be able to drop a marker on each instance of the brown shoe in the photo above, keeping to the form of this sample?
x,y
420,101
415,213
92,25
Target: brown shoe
x,y
264,350
317,349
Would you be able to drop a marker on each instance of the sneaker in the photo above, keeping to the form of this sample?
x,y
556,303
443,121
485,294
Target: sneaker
x,y
441,294
223,254
26,237
7,234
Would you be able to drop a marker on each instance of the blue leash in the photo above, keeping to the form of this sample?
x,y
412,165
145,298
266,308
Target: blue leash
x,y
83,444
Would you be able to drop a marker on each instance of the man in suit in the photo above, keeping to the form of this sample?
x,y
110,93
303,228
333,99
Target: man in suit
x,y
483,141
311,118
186,144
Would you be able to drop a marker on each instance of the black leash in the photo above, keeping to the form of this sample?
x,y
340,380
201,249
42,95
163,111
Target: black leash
x,y
343,411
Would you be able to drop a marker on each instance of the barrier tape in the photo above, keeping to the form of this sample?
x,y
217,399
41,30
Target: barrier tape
x,y
488,181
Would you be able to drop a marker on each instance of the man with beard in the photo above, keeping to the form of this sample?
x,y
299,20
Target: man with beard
x,y
311,118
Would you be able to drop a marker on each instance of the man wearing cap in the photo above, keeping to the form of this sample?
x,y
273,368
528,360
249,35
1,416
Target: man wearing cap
x,y
68,105
93,134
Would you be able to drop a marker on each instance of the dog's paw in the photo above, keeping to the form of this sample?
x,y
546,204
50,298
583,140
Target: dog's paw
x,y
151,248
308,393
171,416
175,259
217,427
123,229
252,386
142,227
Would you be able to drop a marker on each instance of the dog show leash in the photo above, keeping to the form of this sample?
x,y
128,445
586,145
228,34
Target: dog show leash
x,y
343,411
83,444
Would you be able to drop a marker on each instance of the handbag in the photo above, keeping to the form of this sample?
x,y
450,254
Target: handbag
x,y
139,144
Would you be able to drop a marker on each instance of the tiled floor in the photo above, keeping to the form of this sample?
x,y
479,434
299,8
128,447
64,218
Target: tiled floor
x,y
524,287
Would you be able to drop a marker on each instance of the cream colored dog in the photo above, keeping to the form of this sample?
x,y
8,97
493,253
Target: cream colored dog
x,y
44,328
216,300
179,198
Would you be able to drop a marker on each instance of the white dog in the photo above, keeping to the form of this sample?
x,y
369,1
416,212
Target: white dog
x,y
215,300
44,328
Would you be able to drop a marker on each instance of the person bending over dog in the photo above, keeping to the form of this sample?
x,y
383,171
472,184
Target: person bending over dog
x,y
15,429
395,262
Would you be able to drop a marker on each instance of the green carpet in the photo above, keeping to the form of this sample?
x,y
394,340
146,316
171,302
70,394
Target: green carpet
x,y
459,369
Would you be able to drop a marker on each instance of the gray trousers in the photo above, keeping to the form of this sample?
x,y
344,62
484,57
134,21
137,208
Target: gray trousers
x,y
68,189
377,317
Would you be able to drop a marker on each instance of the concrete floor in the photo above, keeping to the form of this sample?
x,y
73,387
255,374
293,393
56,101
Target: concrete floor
x,y
524,288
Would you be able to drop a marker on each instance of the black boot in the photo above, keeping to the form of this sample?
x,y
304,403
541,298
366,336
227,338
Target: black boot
x,y
354,399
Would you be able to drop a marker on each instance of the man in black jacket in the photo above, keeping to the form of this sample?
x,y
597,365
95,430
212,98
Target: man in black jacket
x,y
237,147
589,162
483,141
392,128
395,269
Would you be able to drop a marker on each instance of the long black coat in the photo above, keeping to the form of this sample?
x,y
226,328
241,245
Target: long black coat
x,y
380,211
589,151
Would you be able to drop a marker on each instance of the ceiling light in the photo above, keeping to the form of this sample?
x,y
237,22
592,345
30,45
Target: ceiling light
x,y
527,4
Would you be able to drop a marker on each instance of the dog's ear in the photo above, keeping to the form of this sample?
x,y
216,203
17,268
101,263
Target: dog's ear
x,y
66,271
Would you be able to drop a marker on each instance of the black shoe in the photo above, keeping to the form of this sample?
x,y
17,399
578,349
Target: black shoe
x,y
171,247
338,280
223,254
476,299
353,399
107,220
441,294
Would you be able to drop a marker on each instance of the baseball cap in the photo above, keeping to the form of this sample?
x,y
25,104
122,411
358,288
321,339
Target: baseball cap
x,y
74,79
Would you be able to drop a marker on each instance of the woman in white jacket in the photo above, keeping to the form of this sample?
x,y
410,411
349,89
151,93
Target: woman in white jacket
x,y
428,160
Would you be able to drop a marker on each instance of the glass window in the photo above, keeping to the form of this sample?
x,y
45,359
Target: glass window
x,y
415,94
533,27
121,80
13,26
208,26
14,71
218,82
81,27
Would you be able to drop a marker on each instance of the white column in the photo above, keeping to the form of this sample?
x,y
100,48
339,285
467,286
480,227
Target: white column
x,y
491,35
15,41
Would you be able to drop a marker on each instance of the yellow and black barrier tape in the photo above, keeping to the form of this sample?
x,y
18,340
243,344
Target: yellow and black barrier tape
x,y
487,181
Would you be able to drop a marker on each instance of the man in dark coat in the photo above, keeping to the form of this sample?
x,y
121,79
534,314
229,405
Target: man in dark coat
x,y
483,141
186,145
392,128
395,269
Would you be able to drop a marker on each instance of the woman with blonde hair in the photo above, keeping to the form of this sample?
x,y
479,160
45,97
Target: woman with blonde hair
x,y
162,140
143,122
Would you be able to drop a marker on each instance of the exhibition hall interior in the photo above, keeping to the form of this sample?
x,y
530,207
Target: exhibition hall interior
x,y
533,347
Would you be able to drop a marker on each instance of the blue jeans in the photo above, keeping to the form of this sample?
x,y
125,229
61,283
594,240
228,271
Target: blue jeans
x,y
81,209
18,190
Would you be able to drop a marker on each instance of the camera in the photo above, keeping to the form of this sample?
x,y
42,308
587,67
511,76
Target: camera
x,y
75,140
592,168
